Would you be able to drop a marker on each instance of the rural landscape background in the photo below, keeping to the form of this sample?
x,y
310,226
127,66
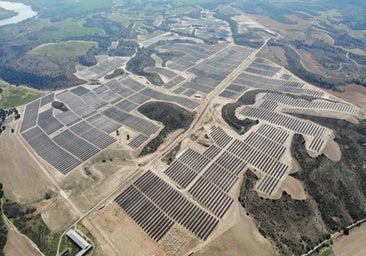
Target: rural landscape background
x,y
178,127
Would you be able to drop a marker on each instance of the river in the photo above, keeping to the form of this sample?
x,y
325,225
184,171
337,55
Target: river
x,y
23,12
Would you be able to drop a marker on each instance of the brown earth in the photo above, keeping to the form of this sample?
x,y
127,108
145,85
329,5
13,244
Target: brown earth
x,y
275,54
58,216
17,245
240,240
354,94
88,187
23,179
294,188
118,235
288,31
354,244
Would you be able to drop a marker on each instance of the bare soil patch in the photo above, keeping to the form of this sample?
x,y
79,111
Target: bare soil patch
x,y
332,150
58,216
240,240
275,54
95,182
294,188
17,244
354,94
353,244
23,179
177,241
118,234
288,31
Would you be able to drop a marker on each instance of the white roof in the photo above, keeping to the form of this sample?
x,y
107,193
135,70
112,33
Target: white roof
x,y
81,242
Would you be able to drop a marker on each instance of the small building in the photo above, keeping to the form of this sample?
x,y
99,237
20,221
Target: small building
x,y
80,241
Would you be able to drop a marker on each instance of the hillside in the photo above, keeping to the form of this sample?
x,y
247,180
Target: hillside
x,y
336,193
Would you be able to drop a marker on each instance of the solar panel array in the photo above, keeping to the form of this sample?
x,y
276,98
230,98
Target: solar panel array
x,y
209,176
75,145
292,123
46,148
259,75
94,136
102,68
209,64
186,168
47,99
138,141
30,115
262,149
138,124
263,67
155,206
100,110
48,122
306,104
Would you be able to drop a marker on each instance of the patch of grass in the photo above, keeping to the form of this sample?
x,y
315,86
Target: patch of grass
x,y
32,226
12,96
325,252
122,19
227,10
70,28
66,243
85,6
64,49
181,10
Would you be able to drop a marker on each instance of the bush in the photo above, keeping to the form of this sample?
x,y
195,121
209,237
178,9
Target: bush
x,y
47,196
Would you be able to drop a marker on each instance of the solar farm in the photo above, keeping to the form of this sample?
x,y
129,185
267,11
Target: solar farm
x,y
197,192
202,184
66,139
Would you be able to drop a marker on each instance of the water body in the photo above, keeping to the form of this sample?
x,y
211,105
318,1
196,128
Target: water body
x,y
23,12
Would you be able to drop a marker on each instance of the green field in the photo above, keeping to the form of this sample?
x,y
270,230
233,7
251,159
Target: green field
x,y
324,252
70,28
227,10
64,49
15,96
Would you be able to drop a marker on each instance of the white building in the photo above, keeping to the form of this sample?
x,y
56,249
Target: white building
x,y
81,242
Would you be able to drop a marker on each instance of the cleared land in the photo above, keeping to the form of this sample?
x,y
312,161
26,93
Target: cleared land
x,y
353,244
241,239
353,93
21,175
118,235
63,49
19,245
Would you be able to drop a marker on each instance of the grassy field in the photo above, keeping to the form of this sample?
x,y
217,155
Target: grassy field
x,y
227,10
324,252
70,28
35,228
126,18
63,49
12,96
82,6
